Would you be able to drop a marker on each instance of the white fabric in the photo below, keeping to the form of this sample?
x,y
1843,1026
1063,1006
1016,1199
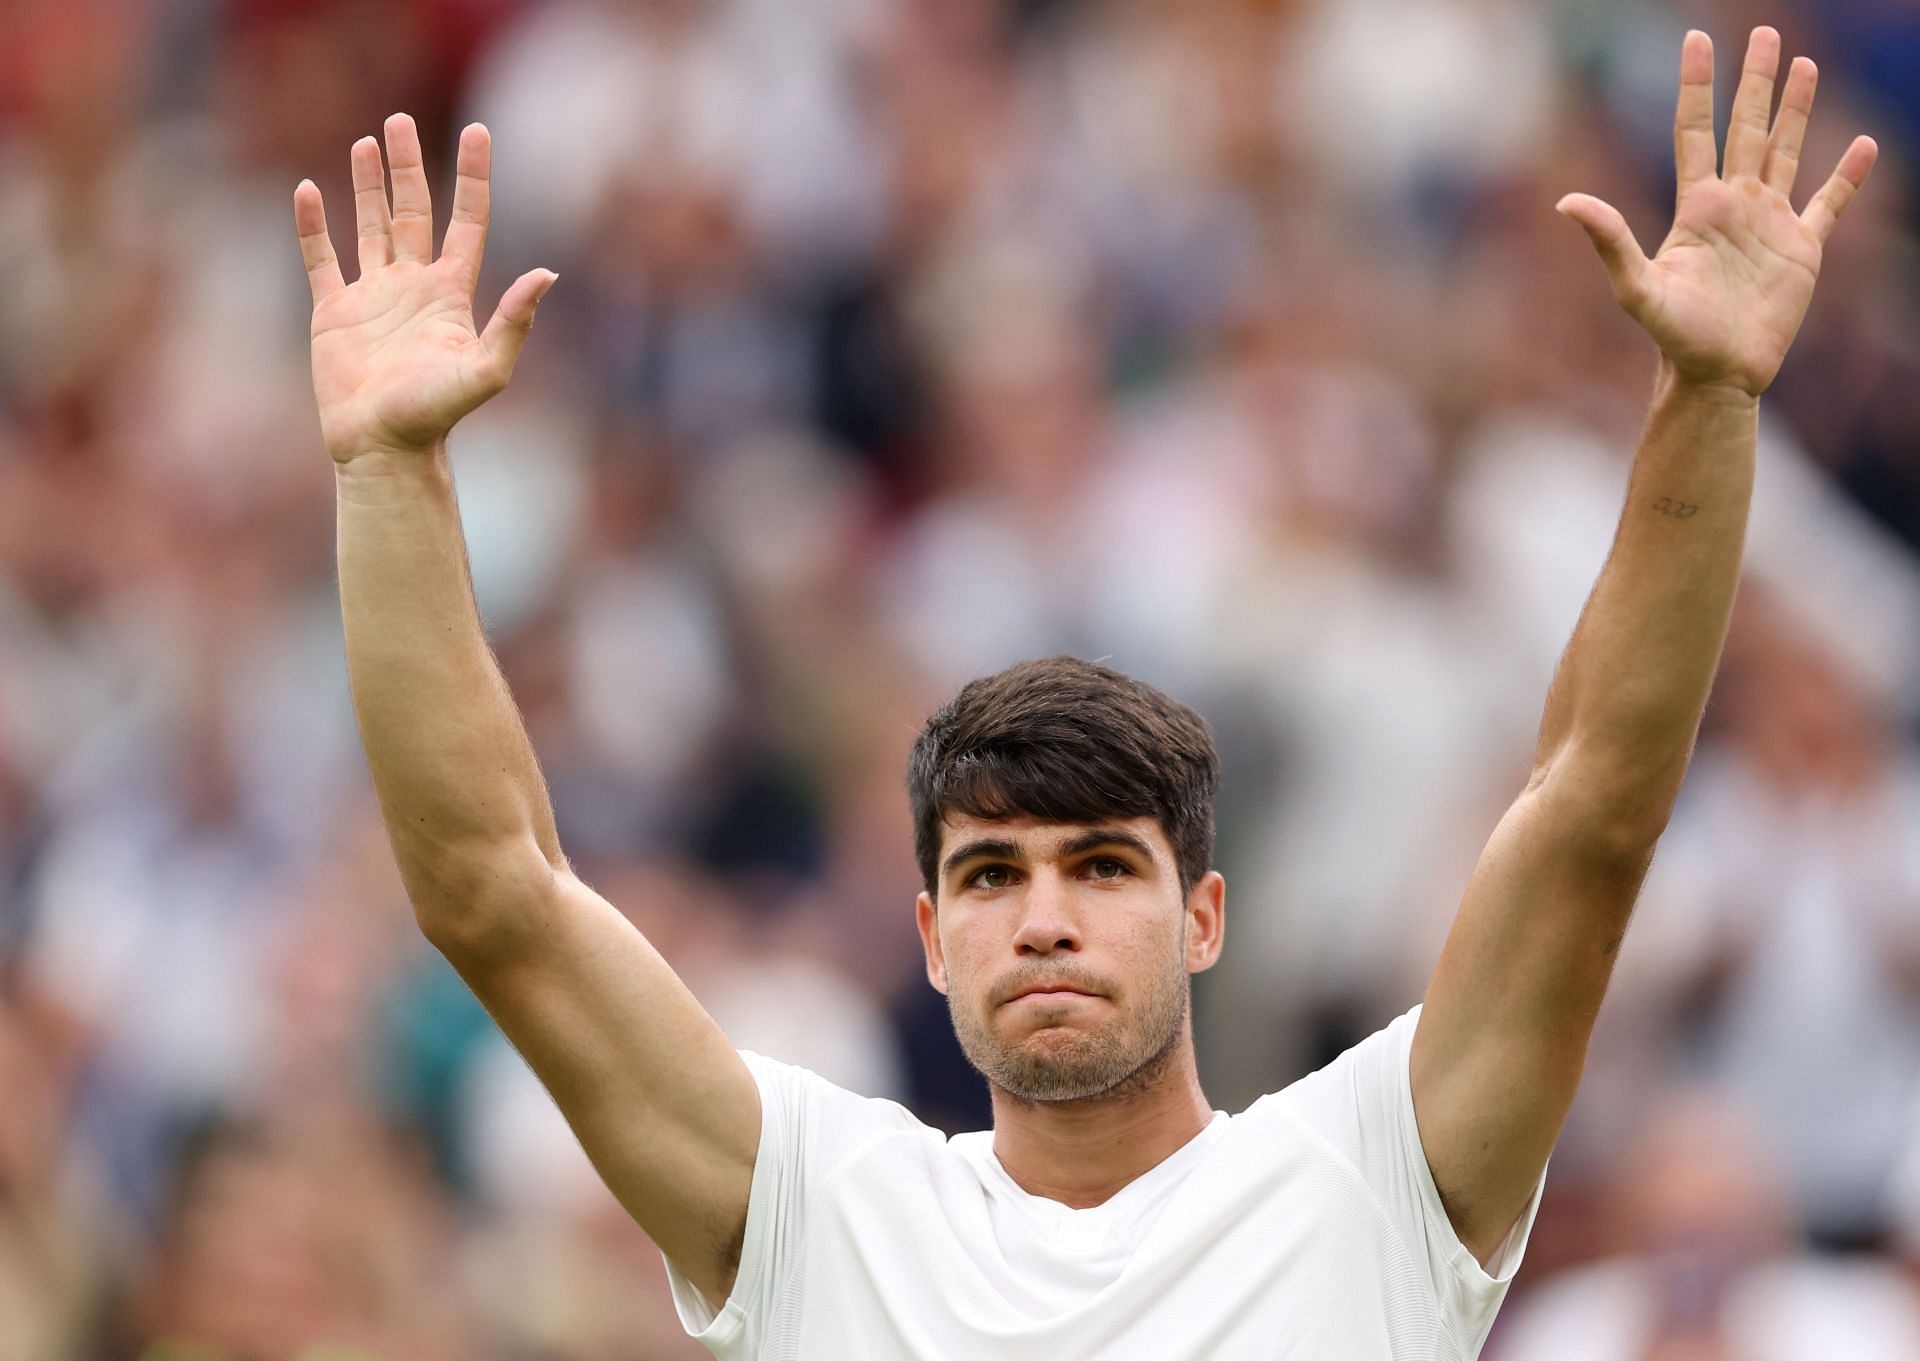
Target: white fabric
x,y
1306,1227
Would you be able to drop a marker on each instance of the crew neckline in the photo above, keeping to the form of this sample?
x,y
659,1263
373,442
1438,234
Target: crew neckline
x,y
977,1145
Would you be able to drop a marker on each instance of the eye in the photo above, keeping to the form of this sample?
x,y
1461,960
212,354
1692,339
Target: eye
x,y
1107,867
991,876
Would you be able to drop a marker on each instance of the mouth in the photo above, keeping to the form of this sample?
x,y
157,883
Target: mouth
x,y
1049,995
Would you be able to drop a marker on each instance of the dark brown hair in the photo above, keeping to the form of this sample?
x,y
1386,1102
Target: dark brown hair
x,y
1065,740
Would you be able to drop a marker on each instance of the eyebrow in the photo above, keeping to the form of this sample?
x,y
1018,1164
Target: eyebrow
x,y
973,850
1089,840
1107,836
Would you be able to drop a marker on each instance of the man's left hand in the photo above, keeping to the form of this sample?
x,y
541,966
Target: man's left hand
x,y
1726,292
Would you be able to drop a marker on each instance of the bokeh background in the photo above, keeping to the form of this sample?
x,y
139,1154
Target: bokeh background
x,y
1233,341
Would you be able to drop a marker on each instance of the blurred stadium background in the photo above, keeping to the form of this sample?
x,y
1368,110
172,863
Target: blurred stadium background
x,y
1235,341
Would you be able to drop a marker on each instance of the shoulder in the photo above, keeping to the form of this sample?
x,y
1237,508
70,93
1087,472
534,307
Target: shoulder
x,y
1358,1111
820,1119
1347,1113
1365,1075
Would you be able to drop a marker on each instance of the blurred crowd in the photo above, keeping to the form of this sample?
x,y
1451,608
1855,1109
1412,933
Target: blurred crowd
x,y
1233,341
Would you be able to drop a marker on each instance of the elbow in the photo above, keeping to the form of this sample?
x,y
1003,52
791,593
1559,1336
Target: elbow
x,y
1619,807
481,902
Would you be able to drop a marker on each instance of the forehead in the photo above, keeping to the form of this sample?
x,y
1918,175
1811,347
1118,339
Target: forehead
x,y
1037,838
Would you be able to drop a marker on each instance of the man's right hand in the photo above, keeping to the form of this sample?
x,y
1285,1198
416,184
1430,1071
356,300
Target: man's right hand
x,y
396,358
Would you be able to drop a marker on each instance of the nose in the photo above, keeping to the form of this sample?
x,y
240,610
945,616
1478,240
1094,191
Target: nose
x,y
1047,921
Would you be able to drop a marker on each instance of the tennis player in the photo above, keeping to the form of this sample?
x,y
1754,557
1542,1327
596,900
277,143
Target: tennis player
x,y
1063,819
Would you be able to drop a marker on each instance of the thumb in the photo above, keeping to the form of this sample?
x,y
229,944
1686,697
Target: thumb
x,y
507,330
1608,231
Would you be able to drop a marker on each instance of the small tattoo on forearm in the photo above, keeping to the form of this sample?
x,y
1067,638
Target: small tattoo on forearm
x,y
1679,510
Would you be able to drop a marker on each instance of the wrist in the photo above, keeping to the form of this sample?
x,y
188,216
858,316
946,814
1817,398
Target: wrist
x,y
381,476
382,460
1672,383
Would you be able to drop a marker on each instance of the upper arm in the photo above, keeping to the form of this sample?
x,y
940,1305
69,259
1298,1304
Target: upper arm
x,y
1502,1037
661,1101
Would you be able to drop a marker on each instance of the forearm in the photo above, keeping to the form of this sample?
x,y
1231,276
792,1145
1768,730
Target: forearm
x,y
1626,700
455,773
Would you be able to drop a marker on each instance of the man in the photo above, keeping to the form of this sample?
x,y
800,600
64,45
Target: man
x,y
1377,1208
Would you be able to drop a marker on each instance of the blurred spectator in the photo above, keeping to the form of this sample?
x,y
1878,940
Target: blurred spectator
x,y
53,1218
1705,1264
1391,100
1336,627
279,1246
752,99
1788,883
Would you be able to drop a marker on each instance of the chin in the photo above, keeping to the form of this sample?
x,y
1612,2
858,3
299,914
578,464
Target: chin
x,y
1061,1062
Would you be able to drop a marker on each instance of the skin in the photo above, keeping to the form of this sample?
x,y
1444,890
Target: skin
x,y
1088,1091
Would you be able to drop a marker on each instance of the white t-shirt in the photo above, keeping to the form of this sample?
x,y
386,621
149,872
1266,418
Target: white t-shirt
x,y
1307,1227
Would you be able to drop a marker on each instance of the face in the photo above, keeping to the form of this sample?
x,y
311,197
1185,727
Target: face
x,y
1090,912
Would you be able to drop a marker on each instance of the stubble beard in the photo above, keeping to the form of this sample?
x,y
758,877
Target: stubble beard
x,y
1076,1062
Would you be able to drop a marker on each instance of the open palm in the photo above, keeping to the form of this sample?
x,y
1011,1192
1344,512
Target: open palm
x,y
396,358
1725,294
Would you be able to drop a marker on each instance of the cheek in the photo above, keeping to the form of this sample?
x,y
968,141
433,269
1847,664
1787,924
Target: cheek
x,y
957,954
1152,953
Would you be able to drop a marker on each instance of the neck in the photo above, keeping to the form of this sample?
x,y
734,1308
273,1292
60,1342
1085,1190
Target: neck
x,y
1080,1153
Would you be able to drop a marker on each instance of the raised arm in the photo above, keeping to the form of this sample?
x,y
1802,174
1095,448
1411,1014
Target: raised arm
x,y
663,1105
1503,1034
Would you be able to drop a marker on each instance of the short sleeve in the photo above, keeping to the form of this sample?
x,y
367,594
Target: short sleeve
x,y
808,1126
1362,1104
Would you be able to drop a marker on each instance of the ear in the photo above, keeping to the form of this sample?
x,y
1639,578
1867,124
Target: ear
x,y
928,919
1206,921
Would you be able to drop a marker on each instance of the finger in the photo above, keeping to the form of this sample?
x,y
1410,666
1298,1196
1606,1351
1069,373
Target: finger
x,y
1838,191
513,319
1626,263
1695,154
370,205
412,204
1752,106
467,232
316,247
1790,128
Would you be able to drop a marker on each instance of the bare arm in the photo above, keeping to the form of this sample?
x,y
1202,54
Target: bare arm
x,y
1503,1035
660,1100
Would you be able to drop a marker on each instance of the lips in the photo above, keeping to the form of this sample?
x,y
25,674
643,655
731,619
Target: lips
x,y
1048,991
